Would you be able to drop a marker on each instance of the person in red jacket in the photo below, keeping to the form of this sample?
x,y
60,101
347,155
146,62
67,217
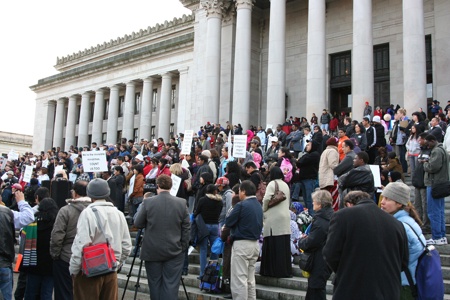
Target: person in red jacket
x,y
334,124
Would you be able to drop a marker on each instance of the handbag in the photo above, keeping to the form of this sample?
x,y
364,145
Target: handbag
x,y
440,190
277,197
98,259
306,261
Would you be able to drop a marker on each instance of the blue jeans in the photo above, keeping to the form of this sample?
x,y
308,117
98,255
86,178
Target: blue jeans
x,y
213,235
307,186
295,191
436,215
324,126
39,282
6,282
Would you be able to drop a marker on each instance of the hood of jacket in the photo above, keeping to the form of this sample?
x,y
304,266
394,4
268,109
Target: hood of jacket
x,y
214,197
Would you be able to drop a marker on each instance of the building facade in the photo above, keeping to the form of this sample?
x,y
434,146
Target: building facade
x,y
248,62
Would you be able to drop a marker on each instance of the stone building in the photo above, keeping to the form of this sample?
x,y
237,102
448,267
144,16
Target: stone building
x,y
249,62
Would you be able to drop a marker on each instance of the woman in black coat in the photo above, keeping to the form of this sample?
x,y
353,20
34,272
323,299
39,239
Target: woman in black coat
x,y
313,243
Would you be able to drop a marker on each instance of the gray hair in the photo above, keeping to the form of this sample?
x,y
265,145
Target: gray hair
x,y
322,197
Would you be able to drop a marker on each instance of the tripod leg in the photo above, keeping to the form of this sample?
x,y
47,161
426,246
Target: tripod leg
x,y
184,287
138,244
137,283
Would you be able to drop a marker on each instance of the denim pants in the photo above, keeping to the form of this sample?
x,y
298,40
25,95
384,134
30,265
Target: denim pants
x,y
436,214
295,191
39,282
213,235
324,126
6,283
307,186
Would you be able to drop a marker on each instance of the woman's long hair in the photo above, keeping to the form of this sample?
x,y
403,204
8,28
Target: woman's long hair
x,y
47,210
411,210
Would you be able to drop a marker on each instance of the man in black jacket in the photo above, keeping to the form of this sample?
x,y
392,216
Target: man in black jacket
x,y
309,166
360,178
367,249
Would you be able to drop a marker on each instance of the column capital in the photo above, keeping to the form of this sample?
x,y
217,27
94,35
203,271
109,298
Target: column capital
x,y
214,8
184,70
61,100
148,79
86,94
167,75
100,90
244,4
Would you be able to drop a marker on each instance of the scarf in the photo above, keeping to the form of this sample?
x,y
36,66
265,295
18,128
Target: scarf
x,y
29,251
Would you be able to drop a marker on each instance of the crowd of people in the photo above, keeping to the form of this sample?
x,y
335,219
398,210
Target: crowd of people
x,y
322,167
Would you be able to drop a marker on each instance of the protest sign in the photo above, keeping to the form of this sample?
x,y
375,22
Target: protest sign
x,y
176,182
28,173
376,174
13,155
240,146
94,161
187,142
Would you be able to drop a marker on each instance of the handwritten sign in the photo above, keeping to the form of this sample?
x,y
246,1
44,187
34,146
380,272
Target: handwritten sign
x,y
13,155
28,173
187,142
94,161
240,146
176,182
72,177
3,162
58,168
376,174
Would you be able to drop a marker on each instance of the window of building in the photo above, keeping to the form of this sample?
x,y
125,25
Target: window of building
x,y
119,135
90,139
341,67
382,84
137,103
173,96
104,138
136,135
105,112
91,117
152,132
381,60
121,105
154,99
340,81
66,113
172,129
78,113
429,58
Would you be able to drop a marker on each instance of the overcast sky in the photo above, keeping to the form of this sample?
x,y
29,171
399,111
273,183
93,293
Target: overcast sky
x,y
34,33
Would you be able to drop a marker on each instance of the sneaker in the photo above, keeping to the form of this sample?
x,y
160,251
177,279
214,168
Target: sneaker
x,y
441,241
431,242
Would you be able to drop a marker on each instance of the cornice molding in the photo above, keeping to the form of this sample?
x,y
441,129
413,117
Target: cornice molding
x,y
125,39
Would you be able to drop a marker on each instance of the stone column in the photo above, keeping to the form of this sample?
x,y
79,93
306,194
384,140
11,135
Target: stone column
x,y
316,97
113,115
414,60
211,101
276,75
164,107
128,111
59,123
83,126
362,57
441,84
242,63
49,108
71,122
99,110
182,102
145,122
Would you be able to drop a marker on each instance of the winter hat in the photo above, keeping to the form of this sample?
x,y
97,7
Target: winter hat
x,y
398,192
223,181
376,119
332,142
17,187
140,157
98,189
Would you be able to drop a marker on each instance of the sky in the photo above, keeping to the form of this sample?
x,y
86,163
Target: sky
x,y
34,33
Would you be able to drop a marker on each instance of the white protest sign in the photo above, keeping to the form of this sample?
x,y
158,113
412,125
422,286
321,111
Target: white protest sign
x,y
28,173
94,161
72,177
12,155
4,176
176,182
187,142
3,161
376,174
184,164
240,146
73,156
58,168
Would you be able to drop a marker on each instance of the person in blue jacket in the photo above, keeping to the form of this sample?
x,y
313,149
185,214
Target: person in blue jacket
x,y
396,201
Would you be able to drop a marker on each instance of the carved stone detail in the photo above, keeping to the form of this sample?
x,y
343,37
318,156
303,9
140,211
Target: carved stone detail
x,y
228,12
213,8
244,4
125,39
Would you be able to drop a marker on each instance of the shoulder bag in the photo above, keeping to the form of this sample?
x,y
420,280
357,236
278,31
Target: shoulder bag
x,y
277,197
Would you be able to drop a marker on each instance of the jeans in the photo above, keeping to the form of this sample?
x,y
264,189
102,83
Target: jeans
x,y
62,280
436,215
6,282
412,163
213,235
324,126
307,186
295,191
39,282
400,150
420,203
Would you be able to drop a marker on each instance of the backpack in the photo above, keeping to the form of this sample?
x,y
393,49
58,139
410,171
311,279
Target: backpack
x,y
211,280
261,190
429,282
286,167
